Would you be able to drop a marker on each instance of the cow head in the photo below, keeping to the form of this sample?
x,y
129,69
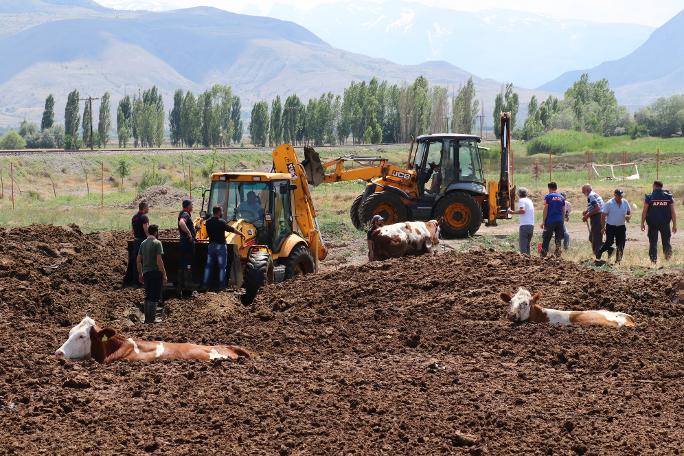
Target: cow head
x,y
520,304
84,340
434,230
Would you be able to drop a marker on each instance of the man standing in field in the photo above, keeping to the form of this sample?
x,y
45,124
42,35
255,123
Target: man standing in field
x,y
658,213
526,212
186,230
139,224
151,272
616,213
217,251
593,214
552,220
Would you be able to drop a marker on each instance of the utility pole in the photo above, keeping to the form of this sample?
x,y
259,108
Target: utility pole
x,y
89,100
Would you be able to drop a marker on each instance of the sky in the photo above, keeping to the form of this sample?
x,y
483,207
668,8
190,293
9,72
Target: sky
x,y
628,11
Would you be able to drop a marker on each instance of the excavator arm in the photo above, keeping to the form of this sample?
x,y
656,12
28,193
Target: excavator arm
x,y
285,161
502,192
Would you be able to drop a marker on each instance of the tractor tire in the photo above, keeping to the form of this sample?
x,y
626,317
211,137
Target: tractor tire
x,y
258,272
354,212
385,204
462,215
299,262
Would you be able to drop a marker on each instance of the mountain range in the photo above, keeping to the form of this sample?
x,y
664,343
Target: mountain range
x,y
653,70
56,46
505,45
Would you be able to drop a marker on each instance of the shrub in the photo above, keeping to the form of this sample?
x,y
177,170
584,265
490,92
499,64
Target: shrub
x,y
12,140
563,141
151,177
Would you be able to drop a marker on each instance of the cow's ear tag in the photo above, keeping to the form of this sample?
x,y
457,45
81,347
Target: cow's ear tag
x,y
104,338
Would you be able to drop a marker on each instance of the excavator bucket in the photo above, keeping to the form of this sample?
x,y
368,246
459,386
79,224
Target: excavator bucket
x,y
315,173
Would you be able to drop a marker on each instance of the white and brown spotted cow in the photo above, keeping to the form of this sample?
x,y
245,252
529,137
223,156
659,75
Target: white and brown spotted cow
x,y
404,239
523,307
88,340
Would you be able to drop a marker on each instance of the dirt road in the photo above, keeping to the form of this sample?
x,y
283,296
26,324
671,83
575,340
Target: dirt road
x,y
402,357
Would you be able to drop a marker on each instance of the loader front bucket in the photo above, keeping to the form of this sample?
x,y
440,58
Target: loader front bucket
x,y
315,173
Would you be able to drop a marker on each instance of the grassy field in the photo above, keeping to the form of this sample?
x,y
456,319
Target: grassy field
x,y
36,201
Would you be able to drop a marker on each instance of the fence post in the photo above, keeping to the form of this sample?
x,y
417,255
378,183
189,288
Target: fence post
x,y
102,184
658,164
2,186
12,179
550,167
190,179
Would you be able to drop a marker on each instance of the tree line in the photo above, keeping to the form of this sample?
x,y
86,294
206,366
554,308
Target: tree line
x,y
367,112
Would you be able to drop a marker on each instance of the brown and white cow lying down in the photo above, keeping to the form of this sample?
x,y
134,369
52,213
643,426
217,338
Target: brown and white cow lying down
x,y
405,238
523,307
88,340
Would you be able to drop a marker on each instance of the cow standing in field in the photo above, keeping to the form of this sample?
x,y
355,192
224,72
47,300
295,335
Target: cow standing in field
x,y
88,340
523,307
404,239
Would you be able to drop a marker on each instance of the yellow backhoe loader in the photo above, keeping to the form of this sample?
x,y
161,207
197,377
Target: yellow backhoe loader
x,y
281,235
443,179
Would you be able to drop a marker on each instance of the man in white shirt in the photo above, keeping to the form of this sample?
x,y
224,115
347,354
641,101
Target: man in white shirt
x,y
526,212
614,215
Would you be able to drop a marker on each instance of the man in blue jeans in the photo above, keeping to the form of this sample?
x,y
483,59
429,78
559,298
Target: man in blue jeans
x,y
217,254
552,220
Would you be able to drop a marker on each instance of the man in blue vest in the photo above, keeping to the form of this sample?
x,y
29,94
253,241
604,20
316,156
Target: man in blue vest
x,y
593,214
658,213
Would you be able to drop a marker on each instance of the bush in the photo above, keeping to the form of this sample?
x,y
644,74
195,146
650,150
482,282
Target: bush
x,y
12,140
150,178
563,141
51,138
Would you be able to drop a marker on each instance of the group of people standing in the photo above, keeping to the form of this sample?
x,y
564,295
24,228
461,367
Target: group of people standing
x,y
607,221
146,256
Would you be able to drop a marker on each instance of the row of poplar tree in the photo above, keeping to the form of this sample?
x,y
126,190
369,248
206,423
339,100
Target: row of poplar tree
x,y
367,112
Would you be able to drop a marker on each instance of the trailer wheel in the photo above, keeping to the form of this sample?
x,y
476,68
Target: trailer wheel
x,y
462,215
385,204
258,272
354,212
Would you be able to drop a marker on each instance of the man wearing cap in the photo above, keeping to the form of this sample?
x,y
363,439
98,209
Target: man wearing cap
x,y
186,229
593,214
376,223
658,213
616,213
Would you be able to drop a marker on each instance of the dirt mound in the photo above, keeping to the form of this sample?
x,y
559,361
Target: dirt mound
x,y
405,357
160,196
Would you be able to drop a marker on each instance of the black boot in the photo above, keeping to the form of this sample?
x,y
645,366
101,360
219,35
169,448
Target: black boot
x,y
180,282
189,284
150,312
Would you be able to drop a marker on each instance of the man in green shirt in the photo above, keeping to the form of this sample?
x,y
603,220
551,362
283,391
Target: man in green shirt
x,y
151,272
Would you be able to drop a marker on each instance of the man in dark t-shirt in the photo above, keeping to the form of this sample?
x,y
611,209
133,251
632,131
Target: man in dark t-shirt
x,y
186,230
553,220
139,225
658,213
217,253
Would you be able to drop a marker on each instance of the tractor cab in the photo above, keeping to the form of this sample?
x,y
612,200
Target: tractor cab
x,y
446,162
258,204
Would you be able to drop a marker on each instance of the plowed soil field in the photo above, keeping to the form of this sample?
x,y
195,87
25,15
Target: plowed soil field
x,y
402,357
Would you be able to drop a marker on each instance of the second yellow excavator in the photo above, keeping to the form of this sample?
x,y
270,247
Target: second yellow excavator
x,y
443,180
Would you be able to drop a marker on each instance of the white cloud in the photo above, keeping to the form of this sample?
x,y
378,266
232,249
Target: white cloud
x,y
631,11
404,22
373,23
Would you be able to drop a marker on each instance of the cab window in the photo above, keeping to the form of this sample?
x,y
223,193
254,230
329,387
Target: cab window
x,y
282,213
